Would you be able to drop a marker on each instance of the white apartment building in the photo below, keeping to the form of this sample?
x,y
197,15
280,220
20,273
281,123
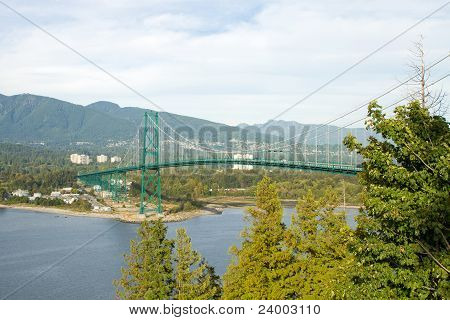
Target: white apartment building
x,y
21,193
242,167
102,158
55,194
35,196
74,158
116,159
79,158
240,156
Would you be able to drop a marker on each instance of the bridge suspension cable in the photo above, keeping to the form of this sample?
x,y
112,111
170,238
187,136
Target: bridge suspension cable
x,y
440,60
303,143
386,107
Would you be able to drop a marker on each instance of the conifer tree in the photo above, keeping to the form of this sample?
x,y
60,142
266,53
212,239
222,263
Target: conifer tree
x,y
403,248
318,238
149,272
194,278
258,269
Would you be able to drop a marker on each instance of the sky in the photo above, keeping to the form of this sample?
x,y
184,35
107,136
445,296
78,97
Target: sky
x,y
226,61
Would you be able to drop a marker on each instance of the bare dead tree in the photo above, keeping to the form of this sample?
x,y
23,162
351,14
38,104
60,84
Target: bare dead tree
x,y
418,87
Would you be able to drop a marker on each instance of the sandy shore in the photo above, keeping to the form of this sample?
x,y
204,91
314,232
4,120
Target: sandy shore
x,y
124,216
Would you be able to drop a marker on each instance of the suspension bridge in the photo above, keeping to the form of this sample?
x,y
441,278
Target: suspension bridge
x,y
158,145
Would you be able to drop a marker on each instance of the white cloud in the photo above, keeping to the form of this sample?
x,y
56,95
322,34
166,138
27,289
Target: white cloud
x,y
222,62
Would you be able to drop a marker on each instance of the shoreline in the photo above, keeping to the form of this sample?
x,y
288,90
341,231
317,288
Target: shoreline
x,y
212,207
127,217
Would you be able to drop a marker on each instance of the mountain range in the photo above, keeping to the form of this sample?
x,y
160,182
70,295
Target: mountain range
x,y
27,118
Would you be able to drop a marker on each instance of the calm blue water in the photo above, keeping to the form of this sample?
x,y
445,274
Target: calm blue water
x,y
32,242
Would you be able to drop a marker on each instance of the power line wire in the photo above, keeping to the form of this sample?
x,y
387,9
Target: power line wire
x,y
440,60
309,95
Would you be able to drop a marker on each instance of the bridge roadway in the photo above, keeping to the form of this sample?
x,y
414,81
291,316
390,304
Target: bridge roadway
x,y
311,166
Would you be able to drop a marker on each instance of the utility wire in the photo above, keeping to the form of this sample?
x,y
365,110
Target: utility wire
x,y
141,95
440,60
384,108
90,61
309,95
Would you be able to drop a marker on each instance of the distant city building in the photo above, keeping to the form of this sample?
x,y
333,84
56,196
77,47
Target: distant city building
x,y
102,158
242,167
116,159
55,194
69,198
35,196
74,157
21,193
239,156
79,158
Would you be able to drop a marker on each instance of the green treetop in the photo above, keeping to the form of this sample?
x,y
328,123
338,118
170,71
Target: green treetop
x,y
402,249
194,278
318,238
149,274
259,266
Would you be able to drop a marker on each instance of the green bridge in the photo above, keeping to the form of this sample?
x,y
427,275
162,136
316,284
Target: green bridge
x,y
157,147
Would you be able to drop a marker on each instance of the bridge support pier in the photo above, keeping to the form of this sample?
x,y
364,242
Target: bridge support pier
x,y
150,192
118,186
149,156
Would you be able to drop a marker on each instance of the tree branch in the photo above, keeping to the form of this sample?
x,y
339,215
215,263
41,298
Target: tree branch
x,y
432,257
445,240
419,157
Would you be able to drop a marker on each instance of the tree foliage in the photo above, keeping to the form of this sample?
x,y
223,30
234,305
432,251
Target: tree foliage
x,y
318,238
402,249
149,272
194,278
153,272
259,267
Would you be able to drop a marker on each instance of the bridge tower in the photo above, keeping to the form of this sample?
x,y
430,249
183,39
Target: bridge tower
x,y
149,165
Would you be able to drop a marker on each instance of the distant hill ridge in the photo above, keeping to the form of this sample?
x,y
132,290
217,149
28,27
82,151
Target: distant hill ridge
x,y
31,118
27,118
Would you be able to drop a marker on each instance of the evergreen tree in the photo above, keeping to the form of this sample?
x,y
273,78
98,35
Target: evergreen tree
x,y
402,249
149,274
258,270
194,278
318,238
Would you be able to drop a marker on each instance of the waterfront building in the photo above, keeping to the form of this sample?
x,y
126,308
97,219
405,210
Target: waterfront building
x,y
21,193
55,194
69,198
35,196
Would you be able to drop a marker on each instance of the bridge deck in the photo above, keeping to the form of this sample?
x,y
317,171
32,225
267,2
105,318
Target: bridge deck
x,y
313,166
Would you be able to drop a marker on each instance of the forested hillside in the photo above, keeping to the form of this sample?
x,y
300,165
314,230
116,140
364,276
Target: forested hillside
x,y
28,118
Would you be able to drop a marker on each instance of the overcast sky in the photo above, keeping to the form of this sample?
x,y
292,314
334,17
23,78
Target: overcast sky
x,y
226,61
